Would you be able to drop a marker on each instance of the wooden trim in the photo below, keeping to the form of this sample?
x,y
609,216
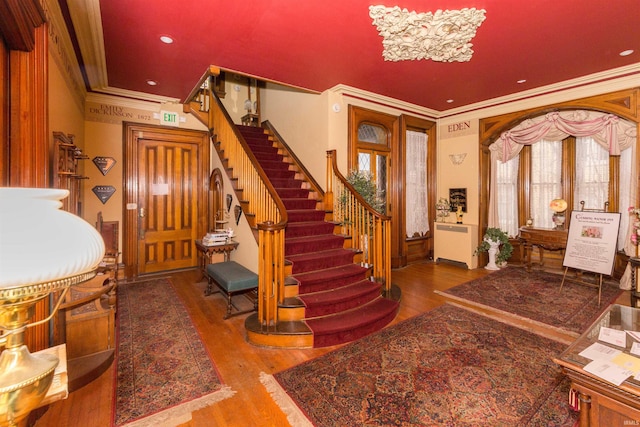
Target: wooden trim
x,y
18,20
430,128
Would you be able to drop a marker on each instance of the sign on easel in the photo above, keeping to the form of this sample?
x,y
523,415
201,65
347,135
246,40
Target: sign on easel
x,y
592,241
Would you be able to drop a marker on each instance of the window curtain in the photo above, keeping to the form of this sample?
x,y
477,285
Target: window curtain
x,y
417,213
608,130
592,173
508,188
545,180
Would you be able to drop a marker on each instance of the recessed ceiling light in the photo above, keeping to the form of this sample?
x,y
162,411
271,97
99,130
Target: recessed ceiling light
x,y
626,52
449,101
152,82
166,39
521,81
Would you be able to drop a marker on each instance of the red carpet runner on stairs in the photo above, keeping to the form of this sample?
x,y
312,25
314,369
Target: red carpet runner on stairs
x,y
341,303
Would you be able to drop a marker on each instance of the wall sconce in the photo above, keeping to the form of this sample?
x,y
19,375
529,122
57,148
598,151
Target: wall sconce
x,y
43,250
457,159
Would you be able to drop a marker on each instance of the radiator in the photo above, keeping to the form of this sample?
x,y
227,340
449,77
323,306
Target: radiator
x,y
456,243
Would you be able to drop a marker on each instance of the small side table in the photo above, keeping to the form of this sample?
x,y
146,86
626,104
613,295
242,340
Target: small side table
x,y
207,252
634,263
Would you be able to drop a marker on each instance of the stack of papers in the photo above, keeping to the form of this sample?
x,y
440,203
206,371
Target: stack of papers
x,y
609,363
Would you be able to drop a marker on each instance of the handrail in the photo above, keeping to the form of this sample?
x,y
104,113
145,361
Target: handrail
x,y
369,230
258,193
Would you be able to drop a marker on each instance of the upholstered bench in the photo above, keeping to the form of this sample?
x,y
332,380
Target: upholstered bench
x,y
232,278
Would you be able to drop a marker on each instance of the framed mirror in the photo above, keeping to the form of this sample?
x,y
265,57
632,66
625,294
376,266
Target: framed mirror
x,y
217,217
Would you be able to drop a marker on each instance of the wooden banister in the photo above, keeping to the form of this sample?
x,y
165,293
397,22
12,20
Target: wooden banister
x,y
266,207
369,230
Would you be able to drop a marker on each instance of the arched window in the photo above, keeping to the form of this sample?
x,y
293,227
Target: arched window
x,y
575,155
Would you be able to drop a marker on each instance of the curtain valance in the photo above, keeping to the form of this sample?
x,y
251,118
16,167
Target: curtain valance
x,y
610,131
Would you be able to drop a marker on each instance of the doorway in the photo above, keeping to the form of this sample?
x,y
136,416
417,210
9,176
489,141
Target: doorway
x,y
378,145
166,176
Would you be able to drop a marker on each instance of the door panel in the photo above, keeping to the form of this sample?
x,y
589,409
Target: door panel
x,y
168,229
165,197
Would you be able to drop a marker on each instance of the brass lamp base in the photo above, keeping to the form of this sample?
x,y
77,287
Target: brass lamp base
x,y
24,381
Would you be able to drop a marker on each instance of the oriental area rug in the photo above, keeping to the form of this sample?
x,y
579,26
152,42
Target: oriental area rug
x,y
535,297
446,367
164,371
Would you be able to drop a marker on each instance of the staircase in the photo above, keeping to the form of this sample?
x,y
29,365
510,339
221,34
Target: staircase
x,y
329,298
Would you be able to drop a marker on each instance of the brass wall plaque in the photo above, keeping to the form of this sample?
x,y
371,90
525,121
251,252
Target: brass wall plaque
x,y
104,164
103,192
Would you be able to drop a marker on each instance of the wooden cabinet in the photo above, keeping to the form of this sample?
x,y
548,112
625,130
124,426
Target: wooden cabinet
x,y
65,170
457,243
603,403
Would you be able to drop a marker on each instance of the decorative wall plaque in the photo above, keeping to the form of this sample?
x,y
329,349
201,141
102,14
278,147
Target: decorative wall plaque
x,y
237,210
104,164
229,200
458,197
103,192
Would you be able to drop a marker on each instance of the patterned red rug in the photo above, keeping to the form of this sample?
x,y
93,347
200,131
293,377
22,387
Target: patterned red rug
x,y
447,367
164,371
536,298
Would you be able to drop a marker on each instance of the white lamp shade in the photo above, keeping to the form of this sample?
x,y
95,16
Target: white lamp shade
x,y
41,243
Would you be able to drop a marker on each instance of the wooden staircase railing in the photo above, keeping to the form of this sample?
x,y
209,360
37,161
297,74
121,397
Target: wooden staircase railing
x,y
255,192
368,230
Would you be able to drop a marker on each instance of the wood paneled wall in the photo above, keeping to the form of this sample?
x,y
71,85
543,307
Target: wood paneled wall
x,y
25,152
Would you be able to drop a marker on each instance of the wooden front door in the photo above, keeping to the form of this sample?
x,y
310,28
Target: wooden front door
x,y
166,197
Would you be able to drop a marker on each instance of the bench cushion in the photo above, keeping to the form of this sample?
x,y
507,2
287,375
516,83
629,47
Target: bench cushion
x,y
232,276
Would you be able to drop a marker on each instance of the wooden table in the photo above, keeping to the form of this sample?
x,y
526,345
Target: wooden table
x,y
544,238
206,253
603,403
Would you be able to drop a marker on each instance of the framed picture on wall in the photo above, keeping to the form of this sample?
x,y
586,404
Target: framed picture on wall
x,y
458,197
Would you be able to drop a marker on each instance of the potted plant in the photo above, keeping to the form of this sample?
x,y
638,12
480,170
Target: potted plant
x,y
496,243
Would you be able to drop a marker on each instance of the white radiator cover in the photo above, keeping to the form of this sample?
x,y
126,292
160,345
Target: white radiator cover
x,y
456,242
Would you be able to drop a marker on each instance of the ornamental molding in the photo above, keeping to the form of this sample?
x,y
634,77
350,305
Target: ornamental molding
x,y
443,36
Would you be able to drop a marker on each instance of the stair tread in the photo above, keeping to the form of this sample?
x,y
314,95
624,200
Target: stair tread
x,y
338,271
335,295
354,318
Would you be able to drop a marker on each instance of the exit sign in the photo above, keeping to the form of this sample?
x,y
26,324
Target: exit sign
x,y
169,118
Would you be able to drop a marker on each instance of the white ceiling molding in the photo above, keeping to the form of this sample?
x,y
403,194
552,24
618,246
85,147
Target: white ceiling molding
x,y
443,36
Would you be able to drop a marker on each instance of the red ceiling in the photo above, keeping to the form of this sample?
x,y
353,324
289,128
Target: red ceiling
x,y
318,44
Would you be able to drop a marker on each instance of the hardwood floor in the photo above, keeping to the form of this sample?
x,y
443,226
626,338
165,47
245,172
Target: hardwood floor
x,y
240,363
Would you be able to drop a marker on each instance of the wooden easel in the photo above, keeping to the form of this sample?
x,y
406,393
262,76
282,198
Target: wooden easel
x,y
599,274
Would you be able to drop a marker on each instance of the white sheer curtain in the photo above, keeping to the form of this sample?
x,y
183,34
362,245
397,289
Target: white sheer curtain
x,y
416,207
508,190
546,178
592,174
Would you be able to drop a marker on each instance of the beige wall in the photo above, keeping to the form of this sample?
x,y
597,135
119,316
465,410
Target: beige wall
x,y
310,123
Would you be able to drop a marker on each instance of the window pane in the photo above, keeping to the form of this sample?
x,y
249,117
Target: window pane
x,y
381,178
372,134
507,175
592,174
364,162
416,200
546,175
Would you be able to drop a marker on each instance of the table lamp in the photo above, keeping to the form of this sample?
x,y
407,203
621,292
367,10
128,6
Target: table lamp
x,y
43,249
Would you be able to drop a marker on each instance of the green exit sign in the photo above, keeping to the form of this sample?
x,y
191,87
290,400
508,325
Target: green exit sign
x,y
169,118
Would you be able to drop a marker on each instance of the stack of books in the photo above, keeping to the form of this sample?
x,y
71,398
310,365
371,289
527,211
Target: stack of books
x,y
215,239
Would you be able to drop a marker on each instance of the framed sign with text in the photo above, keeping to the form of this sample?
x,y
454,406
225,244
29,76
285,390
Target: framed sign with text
x,y
458,197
